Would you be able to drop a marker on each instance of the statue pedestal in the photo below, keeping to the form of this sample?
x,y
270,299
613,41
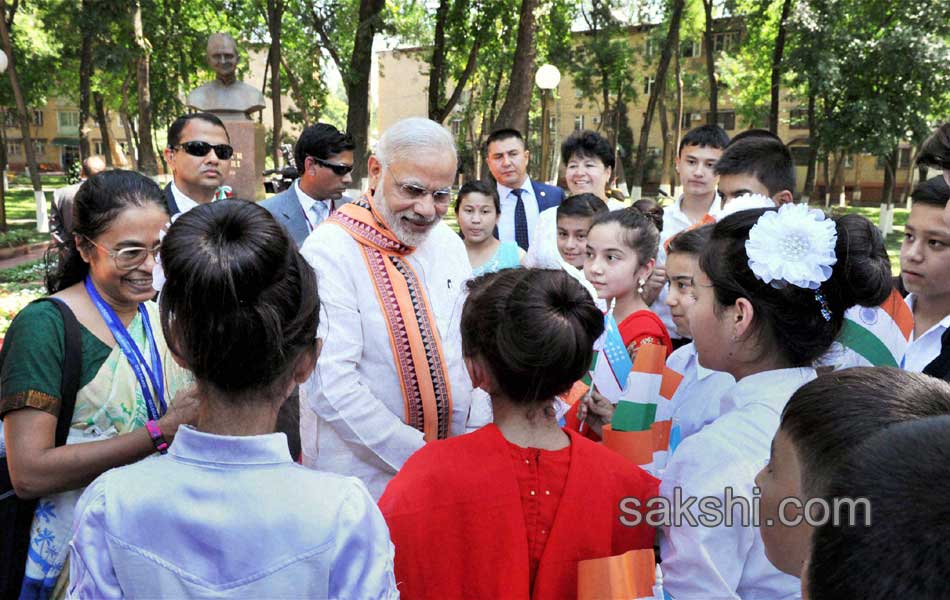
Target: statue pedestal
x,y
247,164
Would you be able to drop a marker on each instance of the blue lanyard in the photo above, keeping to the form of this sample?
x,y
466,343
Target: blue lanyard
x,y
132,353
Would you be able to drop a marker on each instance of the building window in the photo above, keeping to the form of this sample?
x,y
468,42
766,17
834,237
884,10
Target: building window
x,y
10,119
38,118
798,118
905,158
578,93
39,148
14,148
725,41
648,85
691,49
456,128
724,118
595,119
552,123
100,147
689,118
650,49
800,155
68,120
578,122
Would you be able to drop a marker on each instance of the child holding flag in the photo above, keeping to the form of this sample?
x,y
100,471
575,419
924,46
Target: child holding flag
x,y
509,510
771,292
621,253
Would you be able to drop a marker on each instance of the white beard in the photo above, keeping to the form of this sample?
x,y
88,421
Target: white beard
x,y
394,220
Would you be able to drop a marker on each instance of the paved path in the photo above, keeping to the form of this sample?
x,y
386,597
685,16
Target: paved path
x,y
18,260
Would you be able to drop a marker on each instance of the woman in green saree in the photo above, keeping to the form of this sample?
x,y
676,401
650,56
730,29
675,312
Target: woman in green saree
x,y
128,378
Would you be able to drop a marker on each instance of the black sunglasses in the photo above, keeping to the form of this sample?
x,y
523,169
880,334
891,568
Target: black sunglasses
x,y
337,169
222,151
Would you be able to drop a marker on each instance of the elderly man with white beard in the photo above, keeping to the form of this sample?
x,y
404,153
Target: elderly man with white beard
x,y
390,274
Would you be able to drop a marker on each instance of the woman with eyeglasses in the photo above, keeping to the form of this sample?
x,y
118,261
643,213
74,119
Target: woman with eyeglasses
x,y
127,405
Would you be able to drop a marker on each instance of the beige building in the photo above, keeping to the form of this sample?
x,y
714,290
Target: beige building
x,y
402,89
55,134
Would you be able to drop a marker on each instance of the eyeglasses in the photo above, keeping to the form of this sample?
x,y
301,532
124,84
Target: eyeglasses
x,y
337,169
411,191
222,151
129,258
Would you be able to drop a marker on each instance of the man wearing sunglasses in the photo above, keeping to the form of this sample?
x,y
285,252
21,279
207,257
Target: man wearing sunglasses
x,y
324,158
391,375
199,154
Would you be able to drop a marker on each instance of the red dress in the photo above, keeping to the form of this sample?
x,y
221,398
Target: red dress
x,y
460,510
644,327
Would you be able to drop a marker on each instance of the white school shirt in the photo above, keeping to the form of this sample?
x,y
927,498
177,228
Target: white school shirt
x,y
506,222
228,517
351,408
728,562
924,348
696,401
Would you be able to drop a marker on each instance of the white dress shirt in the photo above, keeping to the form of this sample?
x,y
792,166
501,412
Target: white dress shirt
x,y
923,348
352,410
184,202
696,401
728,562
506,222
228,517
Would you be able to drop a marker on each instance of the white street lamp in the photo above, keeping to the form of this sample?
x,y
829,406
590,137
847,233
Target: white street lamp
x,y
547,78
3,61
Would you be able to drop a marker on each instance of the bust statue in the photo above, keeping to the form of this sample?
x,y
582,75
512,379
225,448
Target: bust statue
x,y
226,97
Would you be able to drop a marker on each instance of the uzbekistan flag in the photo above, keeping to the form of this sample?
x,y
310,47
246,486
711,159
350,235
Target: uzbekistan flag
x,y
642,423
611,362
878,336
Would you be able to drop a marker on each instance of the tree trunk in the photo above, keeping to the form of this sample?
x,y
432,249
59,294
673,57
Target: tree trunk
x,y
777,66
103,121
275,12
890,177
298,94
678,127
42,224
85,81
437,63
809,190
826,168
676,13
3,178
667,169
711,64
148,164
127,125
514,110
357,84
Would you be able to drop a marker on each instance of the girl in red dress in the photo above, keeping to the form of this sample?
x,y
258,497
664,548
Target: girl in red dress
x,y
621,253
509,510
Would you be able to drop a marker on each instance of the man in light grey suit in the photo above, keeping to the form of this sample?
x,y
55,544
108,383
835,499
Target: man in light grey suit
x,y
324,159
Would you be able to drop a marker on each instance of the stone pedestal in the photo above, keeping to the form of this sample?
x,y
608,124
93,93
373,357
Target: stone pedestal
x,y
247,164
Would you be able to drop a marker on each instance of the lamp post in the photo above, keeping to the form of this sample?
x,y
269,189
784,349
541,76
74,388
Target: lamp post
x,y
547,78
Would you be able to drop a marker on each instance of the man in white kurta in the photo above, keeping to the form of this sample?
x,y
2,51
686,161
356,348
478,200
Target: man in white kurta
x,y
353,410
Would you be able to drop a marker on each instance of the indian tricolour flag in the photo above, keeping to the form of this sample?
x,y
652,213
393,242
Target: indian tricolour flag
x,y
875,336
642,422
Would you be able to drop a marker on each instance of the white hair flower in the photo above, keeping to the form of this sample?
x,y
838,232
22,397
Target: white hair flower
x,y
792,246
745,202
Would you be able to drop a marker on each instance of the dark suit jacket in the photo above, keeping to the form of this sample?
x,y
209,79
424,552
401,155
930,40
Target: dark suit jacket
x,y
547,195
170,203
61,212
286,208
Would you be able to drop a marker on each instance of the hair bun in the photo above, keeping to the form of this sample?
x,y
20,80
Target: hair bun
x,y
862,274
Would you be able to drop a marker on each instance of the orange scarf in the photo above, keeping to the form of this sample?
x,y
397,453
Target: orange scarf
x,y
413,336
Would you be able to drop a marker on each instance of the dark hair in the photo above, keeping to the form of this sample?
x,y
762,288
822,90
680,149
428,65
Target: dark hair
x,y
789,319
934,192
478,187
765,158
831,415
753,133
240,303
652,209
899,550
175,129
690,241
552,346
581,205
503,134
321,140
639,230
587,144
935,150
97,203
705,136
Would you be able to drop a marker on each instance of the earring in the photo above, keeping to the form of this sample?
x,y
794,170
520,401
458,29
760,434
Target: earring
x,y
640,288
